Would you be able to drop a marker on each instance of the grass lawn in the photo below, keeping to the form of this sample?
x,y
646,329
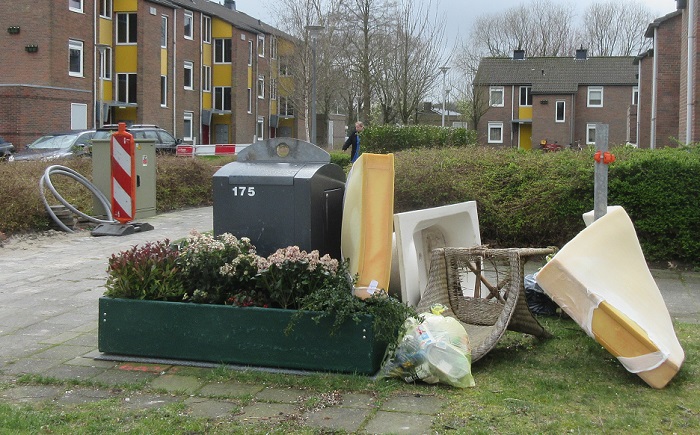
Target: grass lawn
x,y
567,384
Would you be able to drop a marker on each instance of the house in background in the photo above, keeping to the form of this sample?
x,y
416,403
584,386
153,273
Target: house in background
x,y
206,72
668,79
430,114
555,99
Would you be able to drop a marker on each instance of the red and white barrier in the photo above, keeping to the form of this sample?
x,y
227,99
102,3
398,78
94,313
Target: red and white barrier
x,y
187,150
123,166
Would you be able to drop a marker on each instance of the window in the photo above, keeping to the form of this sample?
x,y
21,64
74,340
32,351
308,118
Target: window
x,y
250,100
163,91
206,78
187,126
75,5
189,75
495,132
284,68
260,130
126,28
222,97
261,45
285,107
635,95
261,86
189,27
126,88
525,96
250,53
222,50
106,64
75,54
590,133
496,96
560,115
595,96
106,9
206,29
273,89
164,32
273,47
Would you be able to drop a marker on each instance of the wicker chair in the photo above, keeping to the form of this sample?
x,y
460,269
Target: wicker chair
x,y
483,288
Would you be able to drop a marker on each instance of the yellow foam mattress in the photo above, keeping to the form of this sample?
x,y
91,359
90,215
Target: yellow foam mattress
x,y
601,279
368,209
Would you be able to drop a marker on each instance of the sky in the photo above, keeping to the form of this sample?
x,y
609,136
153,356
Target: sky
x,y
458,20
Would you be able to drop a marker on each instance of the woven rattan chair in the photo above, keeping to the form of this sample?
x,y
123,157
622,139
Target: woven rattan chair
x,y
483,288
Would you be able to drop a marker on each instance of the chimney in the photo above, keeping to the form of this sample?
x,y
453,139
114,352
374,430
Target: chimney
x,y
230,4
581,53
519,54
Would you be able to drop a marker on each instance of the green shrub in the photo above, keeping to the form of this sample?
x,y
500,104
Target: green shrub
x,y
341,159
382,139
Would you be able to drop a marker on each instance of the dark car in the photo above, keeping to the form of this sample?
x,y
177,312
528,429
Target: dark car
x,y
6,148
165,142
55,146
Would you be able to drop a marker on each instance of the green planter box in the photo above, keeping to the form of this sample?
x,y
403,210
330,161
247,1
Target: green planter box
x,y
232,335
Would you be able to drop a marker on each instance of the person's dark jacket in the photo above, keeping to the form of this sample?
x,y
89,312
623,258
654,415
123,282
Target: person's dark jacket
x,y
354,141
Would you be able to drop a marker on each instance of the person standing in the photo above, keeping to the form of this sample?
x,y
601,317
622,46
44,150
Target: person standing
x,y
354,142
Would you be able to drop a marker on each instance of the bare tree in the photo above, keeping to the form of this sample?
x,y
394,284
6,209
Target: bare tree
x,y
615,28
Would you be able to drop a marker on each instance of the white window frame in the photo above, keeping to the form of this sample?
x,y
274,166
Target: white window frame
x,y
635,95
495,125
563,111
188,127
260,128
76,46
283,68
261,45
250,100
261,86
495,90
273,89
273,47
527,96
188,81
106,9
206,29
76,6
206,78
163,91
106,64
127,37
222,55
590,128
284,107
594,90
188,25
164,31
222,100
250,52
78,116
129,78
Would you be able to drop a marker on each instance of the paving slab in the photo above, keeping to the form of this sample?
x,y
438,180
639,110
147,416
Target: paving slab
x,y
282,395
385,422
81,396
230,389
209,408
177,384
261,412
141,400
337,419
414,404
31,393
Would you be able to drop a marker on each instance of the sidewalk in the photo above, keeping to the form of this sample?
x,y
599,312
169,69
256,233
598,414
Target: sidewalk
x,y
49,290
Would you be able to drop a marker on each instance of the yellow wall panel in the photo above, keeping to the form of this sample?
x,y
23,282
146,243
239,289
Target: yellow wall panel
x,y
125,5
207,54
164,61
221,75
105,34
525,112
220,28
125,57
250,77
206,100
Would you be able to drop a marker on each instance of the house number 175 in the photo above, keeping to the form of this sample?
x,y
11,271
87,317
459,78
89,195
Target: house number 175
x,y
244,191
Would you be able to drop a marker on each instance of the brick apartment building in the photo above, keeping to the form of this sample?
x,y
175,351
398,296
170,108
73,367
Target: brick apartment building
x,y
557,99
204,71
668,79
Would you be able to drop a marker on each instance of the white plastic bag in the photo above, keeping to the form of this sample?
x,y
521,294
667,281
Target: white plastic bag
x,y
433,350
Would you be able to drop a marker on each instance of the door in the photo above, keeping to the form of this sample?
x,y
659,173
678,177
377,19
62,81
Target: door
x,y
221,133
525,137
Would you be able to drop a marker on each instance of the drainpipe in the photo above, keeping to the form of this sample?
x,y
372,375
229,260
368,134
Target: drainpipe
x,y
174,38
95,69
512,113
639,99
689,77
652,138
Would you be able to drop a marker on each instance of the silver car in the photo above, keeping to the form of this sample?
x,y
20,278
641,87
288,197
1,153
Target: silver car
x,y
56,146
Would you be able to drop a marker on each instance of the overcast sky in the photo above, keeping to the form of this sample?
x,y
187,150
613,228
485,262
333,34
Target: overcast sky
x,y
459,14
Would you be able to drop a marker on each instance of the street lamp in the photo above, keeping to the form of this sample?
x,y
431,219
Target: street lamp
x,y
101,72
313,33
444,70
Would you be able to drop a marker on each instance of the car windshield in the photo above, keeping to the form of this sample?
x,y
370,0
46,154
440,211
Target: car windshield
x,y
55,142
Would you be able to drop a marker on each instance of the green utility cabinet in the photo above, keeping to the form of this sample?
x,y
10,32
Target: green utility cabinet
x,y
145,155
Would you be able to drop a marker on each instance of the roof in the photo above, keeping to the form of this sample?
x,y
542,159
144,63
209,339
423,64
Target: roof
x,y
557,75
649,33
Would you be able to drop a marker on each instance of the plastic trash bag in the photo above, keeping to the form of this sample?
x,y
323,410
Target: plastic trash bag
x,y
537,301
433,350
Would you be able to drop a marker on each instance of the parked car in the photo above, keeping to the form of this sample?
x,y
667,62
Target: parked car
x,y
6,148
165,142
54,146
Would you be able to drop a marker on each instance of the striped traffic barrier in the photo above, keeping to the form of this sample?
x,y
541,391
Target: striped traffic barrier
x,y
123,166
187,150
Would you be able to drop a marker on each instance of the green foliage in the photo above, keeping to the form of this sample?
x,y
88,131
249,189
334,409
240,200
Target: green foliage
x,y
382,139
341,159
183,182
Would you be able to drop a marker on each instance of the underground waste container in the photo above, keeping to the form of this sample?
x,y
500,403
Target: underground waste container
x,y
281,192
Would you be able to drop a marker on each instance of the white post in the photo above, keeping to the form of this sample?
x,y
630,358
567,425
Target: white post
x,y
600,188
444,70
313,32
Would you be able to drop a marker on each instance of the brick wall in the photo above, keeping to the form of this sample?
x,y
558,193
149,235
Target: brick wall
x,y
668,96
616,102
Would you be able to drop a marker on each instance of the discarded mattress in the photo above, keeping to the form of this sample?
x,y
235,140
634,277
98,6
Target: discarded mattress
x,y
601,279
368,209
